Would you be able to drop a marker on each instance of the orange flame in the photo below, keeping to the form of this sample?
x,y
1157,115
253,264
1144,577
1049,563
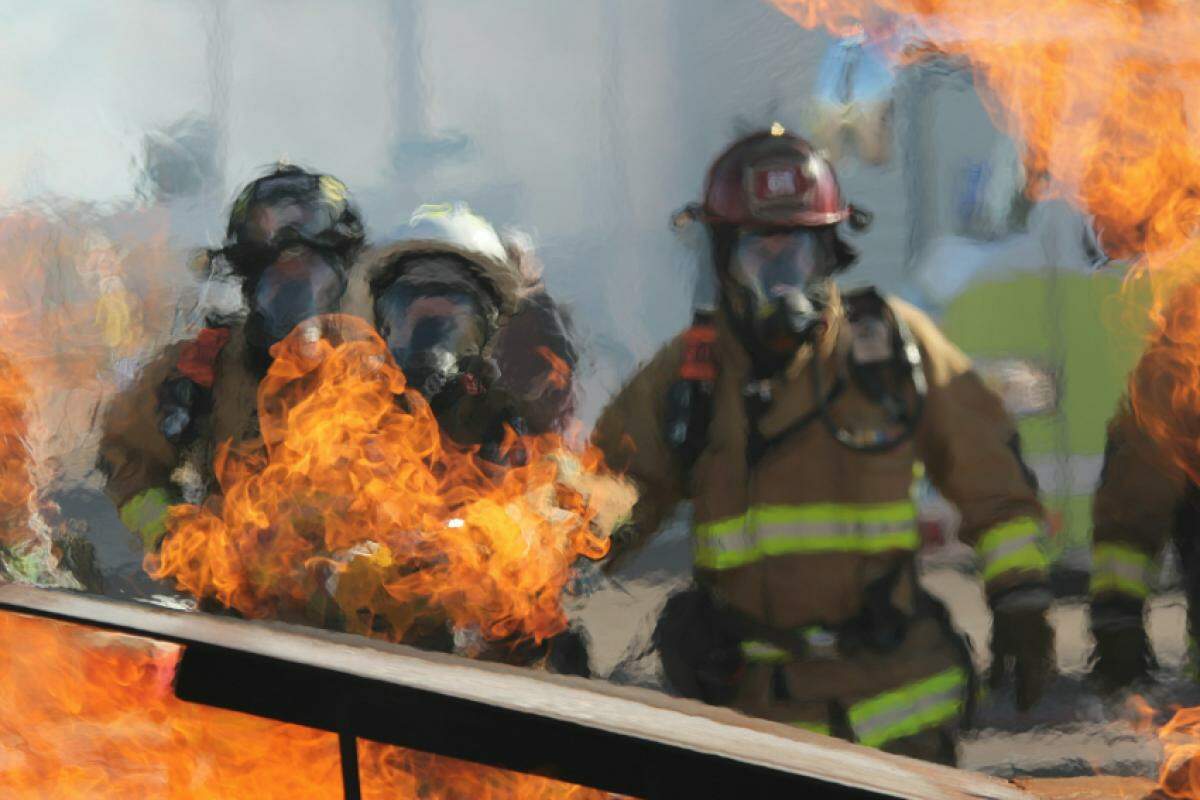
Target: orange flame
x,y
1103,95
559,376
68,314
73,302
16,481
91,714
28,551
352,494
1099,92
1179,775
1165,386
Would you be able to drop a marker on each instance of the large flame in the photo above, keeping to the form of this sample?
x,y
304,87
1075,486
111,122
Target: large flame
x,y
69,315
353,494
1179,774
1100,94
77,301
28,550
1104,96
1098,91
16,479
91,714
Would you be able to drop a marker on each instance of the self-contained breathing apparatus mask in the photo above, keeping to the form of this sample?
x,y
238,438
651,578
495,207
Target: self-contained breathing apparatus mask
x,y
777,289
300,284
436,322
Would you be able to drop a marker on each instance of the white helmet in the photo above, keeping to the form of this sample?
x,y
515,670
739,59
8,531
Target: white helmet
x,y
456,225
453,228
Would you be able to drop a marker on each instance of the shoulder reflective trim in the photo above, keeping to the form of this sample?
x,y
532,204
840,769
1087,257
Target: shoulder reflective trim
x,y
146,515
812,528
1012,546
813,727
910,709
757,652
1121,569
708,558
836,513
725,527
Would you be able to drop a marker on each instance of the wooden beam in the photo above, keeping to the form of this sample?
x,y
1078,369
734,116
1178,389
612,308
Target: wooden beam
x,y
591,733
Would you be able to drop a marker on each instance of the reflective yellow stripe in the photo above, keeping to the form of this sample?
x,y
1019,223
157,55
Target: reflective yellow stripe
x,y
757,652
1122,569
811,528
146,515
1013,546
725,527
910,709
713,559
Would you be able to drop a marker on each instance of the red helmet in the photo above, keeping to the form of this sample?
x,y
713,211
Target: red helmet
x,y
773,178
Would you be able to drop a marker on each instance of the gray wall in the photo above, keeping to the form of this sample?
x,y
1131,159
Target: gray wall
x,y
584,123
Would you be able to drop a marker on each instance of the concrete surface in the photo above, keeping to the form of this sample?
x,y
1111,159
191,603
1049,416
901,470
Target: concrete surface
x,y
1072,732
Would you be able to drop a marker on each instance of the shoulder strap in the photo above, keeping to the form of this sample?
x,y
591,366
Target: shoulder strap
x,y
689,399
198,358
885,364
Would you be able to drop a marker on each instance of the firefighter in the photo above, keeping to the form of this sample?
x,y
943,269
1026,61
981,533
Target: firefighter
x,y
1144,502
471,326
464,313
292,238
792,416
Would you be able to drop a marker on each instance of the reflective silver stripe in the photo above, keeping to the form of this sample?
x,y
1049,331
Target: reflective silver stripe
x,y
910,709
1124,571
869,728
818,530
812,528
1011,546
726,552
1116,568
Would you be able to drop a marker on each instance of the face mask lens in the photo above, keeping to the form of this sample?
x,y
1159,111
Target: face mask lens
x,y
297,287
773,264
420,323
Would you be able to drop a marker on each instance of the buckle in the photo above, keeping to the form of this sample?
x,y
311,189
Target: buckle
x,y
820,643
759,390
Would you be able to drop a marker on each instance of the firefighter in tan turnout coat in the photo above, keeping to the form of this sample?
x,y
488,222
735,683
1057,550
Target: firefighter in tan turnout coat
x,y
792,417
1136,509
292,239
1145,502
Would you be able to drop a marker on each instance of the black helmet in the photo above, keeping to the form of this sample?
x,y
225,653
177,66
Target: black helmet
x,y
291,206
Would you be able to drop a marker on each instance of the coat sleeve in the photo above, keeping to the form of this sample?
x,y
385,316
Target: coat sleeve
x,y
1133,510
630,434
134,455
971,452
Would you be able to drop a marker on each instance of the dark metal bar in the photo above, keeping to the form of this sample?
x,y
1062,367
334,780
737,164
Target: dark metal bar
x,y
584,732
477,732
348,750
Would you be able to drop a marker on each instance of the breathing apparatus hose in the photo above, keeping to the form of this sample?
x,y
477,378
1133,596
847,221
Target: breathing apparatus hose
x,y
910,420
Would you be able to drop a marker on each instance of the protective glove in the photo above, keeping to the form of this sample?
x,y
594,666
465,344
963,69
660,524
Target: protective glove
x,y
145,515
626,542
701,654
1022,642
1123,653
